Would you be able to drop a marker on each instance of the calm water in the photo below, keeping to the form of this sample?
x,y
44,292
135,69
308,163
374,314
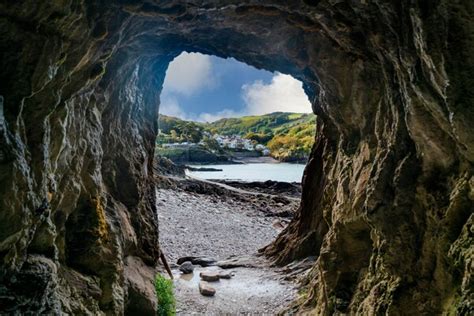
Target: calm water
x,y
253,172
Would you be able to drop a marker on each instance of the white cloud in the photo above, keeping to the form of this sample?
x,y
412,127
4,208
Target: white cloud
x,y
189,73
211,117
283,94
170,106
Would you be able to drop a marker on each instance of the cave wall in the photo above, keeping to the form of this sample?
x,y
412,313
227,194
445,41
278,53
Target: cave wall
x,y
387,194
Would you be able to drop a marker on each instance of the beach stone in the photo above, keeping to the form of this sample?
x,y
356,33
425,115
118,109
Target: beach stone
x,y
210,276
204,262
226,275
205,289
182,260
186,267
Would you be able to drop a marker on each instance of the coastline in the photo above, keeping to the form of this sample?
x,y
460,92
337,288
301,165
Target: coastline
x,y
245,160
260,159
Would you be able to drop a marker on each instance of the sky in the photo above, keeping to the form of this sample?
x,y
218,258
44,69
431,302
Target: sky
x,y
206,88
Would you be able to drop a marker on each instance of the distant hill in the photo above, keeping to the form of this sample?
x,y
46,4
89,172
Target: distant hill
x,y
289,136
274,123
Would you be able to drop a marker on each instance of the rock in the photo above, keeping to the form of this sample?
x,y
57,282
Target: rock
x,y
202,261
186,267
184,259
226,275
277,224
210,276
237,262
141,292
205,289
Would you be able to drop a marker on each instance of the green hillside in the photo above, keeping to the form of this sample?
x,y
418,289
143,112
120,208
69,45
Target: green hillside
x,y
273,123
289,136
174,129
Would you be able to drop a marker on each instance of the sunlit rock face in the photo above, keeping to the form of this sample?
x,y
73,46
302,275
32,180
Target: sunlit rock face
x,y
387,195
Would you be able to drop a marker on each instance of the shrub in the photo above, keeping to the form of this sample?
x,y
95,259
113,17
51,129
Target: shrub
x,y
165,295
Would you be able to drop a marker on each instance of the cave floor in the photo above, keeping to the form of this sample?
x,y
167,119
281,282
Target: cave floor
x,y
220,228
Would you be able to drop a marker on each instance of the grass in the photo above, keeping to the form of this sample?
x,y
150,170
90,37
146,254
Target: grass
x,y
165,295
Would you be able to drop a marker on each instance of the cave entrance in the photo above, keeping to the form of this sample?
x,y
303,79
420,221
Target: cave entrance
x,y
232,145
221,112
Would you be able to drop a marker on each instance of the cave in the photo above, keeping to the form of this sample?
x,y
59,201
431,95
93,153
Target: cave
x,y
387,202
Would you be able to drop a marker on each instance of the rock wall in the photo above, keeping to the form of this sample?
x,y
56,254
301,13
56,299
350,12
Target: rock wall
x,y
387,194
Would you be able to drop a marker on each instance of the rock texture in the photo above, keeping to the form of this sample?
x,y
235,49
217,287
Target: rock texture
x,y
387,195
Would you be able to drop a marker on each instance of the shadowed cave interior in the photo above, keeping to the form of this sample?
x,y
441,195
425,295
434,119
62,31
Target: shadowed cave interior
x,y
388,190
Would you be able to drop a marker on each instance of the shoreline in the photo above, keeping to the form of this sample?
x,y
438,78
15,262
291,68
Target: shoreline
x,y
250,172
262,159
246,160
241,160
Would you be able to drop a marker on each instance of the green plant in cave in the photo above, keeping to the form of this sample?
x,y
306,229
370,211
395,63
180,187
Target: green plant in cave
x,y
165,295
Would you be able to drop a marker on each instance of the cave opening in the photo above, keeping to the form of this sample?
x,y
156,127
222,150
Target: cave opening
x,y
243,136
222,111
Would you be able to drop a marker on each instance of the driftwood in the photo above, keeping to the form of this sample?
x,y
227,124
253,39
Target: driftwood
x,y
165,263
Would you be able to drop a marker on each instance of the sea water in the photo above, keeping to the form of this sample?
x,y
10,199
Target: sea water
x,y
286,172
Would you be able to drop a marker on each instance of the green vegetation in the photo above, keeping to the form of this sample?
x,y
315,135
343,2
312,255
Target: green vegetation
x,y
192,155
294,143
269,124
175,130
165,295
288,136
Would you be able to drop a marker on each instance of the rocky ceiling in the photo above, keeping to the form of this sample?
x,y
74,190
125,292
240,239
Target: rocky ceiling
x,y
387,194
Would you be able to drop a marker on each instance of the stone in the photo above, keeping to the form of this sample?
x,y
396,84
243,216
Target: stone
x,y
202,261
209,276
186,267
205,289
226,275
141,292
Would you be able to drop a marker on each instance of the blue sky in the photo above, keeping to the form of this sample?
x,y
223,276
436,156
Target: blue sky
x,y
206,88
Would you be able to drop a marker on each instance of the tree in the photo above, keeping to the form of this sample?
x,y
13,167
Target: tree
x,y
173,136
212,144
260,138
